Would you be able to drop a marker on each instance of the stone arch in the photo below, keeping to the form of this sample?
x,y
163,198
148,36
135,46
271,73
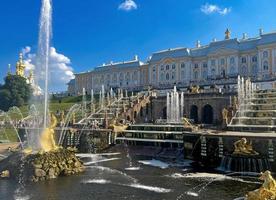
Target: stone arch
x,y
141,111
194,113
207,114
128,118
164,113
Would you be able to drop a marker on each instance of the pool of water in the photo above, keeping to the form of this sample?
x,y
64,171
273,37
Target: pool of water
x,y
117,176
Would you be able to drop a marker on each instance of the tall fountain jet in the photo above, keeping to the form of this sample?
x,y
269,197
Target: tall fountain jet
x,y
175,106
42,68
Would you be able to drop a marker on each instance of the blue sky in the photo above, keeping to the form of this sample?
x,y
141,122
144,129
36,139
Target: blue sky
x,y
92,32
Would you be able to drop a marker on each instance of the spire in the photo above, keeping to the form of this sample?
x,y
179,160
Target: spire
x,y
20,66
227,34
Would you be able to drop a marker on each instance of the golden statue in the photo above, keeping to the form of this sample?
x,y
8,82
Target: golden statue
x,y
195,89
47,140
20,66
267,191
227,34
225,116
117,127
242,147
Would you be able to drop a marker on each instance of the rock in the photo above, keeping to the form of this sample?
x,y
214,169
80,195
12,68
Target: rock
x,y
51,173
37,166
40,173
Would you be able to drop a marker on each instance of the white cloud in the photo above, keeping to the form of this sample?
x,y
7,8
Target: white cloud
x,y
128,5
212,8
60,68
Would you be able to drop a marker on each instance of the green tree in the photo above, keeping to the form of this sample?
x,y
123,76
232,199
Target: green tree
x,y
15,92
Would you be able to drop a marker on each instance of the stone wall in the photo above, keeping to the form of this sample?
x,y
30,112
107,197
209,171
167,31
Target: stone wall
x,y
216,101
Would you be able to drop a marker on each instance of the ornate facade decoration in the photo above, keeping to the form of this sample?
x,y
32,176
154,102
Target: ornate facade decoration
x,y
219,62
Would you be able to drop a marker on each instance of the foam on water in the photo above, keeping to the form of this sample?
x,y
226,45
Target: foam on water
x,y
97,181
99,161
155,163
194,194
89,155
113,171
210,176
132,168
150,188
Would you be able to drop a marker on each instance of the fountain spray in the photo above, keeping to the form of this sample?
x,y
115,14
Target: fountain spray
x,y
45,34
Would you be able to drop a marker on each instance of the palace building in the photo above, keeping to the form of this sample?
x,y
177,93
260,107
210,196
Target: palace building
x,y
218,63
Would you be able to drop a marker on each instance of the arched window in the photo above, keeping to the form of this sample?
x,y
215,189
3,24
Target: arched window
x,y
244,70
205,74
232,70
167,76
167,67
265,65
265,54
173,75
195,75
114,78
121,76
254,59
243,60
232,60
213,62
162,77
254,70
182,74
213,72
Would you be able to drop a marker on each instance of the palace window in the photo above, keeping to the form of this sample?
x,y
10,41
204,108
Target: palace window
x,y
121,76
196,75
213,72
232,70
254,70
254,59
196,65
173,66
167,67
265,65
213,62
173,75
244,70
153,69
162,68
167,76
265,54
182,65
243,60
232,60
162,77
114,78
205,65
222,61
182,74
205,74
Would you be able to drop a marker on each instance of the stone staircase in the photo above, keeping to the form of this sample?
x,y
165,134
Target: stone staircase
x,y
124,107
257,113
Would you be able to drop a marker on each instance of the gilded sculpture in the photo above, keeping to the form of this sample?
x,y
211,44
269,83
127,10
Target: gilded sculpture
x,y
47,140
267,191
244,148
